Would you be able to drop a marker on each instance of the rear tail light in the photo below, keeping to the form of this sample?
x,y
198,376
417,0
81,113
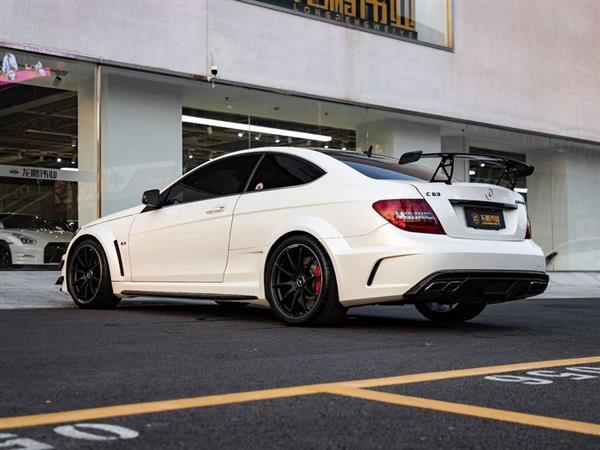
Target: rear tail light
x,y
528,232
410,215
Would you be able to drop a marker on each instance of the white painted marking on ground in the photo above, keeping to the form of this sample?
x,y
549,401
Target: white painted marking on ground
x,y
585,369
555,374
533,378
75,432
517,379
13,442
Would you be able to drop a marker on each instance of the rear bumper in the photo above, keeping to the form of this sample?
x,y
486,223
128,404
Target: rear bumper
x,y
388,264
477,286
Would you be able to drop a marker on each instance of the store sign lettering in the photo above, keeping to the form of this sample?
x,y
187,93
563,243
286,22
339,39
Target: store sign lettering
x,y
44,174
388,17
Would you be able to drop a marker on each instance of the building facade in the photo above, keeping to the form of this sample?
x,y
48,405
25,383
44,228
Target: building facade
x,y
100,101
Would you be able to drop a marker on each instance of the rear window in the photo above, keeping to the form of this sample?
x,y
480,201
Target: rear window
x,y
278,171
383,168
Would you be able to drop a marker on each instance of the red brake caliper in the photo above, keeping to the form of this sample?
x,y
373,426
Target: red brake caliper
x,y
316,271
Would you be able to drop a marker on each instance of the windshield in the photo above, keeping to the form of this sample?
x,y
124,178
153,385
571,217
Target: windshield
x,y
27,222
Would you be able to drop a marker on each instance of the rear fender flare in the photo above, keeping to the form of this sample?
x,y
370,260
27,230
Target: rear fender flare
x,y
324,232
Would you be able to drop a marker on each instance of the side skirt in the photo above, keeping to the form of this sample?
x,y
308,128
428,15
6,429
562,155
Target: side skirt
x,y
198,296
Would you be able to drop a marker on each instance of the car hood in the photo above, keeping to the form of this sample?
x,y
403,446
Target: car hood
x,y
43,235
117,215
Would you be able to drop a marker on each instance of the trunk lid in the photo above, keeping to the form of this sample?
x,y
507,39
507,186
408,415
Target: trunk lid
x,y
462,207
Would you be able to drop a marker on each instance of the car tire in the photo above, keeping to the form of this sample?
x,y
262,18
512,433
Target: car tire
x,y
5,256
300,283
457,312
88,277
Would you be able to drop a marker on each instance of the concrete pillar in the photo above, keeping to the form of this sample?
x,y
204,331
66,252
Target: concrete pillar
x,y
87,187
141,138
394,137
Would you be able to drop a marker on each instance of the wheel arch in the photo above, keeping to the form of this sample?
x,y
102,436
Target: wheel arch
x,y
300,231
92,237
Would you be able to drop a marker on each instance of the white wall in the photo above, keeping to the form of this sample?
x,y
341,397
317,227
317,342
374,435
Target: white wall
x,y
528,65
140,139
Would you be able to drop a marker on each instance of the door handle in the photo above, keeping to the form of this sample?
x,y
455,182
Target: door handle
x,y
216,210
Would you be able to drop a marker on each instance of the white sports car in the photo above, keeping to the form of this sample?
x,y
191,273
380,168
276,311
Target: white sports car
x,y
31,240
311,232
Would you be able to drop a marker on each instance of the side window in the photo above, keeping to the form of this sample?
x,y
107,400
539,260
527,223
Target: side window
x,y
277,171
220,178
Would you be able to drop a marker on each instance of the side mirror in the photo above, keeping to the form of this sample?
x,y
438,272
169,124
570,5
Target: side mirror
x,y
151,197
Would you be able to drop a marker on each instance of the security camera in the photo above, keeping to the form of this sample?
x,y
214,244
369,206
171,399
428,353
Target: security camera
x,y
214,70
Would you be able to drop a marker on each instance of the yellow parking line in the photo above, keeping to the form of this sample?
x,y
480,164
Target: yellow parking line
x,y
151,407
470,410
477,371
266,394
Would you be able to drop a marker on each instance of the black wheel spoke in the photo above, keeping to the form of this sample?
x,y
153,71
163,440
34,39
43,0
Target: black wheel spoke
x,y
286,294
301,299
299,264
294,299
81,263
279,267
309,290
289,257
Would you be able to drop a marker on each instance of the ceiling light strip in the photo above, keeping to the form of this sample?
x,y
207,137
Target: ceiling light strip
x,y
255,128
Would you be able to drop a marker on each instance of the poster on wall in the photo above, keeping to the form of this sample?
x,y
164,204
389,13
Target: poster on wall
x,y
11,72
393,18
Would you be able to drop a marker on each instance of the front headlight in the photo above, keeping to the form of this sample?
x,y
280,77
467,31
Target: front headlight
x,y
25,239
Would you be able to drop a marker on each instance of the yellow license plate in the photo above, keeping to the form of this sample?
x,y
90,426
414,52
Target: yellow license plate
x,y
485,218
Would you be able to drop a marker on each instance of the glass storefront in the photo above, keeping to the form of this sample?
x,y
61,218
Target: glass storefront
x,y
42,184
152,128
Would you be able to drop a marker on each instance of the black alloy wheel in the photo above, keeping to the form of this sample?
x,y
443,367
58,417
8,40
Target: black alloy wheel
x,y
453,312
88,277
301,285
5,256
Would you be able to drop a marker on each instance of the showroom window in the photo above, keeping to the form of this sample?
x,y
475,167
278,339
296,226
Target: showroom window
x,y
43,143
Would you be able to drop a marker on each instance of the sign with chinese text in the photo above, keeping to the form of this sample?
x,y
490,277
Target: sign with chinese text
x,y
394,18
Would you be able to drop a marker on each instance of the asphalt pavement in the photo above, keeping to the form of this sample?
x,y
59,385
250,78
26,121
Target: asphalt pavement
x,y
172,374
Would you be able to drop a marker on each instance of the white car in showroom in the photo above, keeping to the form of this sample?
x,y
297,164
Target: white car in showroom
x,y
312,232
31,240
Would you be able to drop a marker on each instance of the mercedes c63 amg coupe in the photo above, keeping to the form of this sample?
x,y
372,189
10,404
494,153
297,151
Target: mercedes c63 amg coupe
x,y
312,232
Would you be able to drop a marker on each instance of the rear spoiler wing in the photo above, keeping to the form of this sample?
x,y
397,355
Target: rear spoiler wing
x,y
512,169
